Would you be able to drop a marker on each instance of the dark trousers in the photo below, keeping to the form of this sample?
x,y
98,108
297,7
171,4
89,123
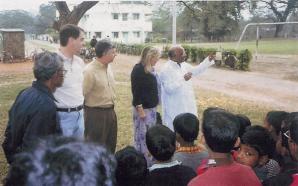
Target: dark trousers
x,y
101,126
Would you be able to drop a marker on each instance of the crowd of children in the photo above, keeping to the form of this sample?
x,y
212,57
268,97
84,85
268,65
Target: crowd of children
x,y
225,150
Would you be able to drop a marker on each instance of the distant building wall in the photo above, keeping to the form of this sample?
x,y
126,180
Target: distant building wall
x,y
126,22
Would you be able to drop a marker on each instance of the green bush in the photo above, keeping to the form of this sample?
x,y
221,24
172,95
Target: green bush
x,y
244,58
187,51
165,50
194,54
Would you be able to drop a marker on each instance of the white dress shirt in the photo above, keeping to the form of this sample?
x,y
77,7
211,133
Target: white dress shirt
x,y
177,95
70,94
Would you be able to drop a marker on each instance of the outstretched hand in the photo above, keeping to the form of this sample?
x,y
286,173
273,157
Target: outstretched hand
x,y
187,76
211,57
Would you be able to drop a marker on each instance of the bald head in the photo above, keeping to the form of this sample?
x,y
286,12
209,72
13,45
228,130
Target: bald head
x,y
177,54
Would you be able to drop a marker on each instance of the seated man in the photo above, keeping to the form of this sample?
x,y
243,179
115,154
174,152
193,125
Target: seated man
x,y
63,161
161,143
33,114
220,130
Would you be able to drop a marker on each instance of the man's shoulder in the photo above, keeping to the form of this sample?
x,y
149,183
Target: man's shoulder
x,y
79,60
166,68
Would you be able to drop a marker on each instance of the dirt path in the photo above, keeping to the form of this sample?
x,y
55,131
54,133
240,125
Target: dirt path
x,y
273,80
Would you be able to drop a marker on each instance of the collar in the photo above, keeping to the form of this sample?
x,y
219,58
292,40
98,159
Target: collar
x,y
190,150
41,87
97,63
64,57
175,64
164,165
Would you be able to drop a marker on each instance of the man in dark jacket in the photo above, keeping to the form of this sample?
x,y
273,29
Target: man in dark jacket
x,y
33,114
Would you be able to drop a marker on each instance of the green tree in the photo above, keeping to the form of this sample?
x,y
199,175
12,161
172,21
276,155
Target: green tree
x,y
17,19
162,23
72,17
216,19
46,17
277,10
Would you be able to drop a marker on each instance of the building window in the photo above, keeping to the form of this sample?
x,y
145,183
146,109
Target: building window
x,y
125,34
136,16
115,34
148,17
136,34
124,16
98,34
115,16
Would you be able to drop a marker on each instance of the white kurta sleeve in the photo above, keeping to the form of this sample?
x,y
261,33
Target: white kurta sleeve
x,y
170,82
202,66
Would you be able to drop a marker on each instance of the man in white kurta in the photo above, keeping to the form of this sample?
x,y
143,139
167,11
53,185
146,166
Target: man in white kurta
x,y
177,94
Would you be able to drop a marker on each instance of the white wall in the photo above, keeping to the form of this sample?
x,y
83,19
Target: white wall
x,y
100,19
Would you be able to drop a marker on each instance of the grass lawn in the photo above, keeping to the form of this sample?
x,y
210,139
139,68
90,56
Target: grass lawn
x,y
278,46
12,84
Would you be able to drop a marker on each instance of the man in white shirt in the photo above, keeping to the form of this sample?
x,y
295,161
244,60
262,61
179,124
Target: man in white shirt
x,y
177,94
70,97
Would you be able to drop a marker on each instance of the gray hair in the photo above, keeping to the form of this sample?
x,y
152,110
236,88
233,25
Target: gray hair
x,y
46,64
102,47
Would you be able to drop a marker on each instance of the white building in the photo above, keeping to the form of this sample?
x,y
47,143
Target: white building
x,y
121,21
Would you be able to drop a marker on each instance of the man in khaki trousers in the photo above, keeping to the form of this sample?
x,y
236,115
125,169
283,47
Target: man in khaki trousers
x,y
98,90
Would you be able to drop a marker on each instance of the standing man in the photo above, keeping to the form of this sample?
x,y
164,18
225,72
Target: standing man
x,y
33,114
177,94
99,93
70,96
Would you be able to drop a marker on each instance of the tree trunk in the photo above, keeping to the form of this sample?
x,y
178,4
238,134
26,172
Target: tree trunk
x,y
278,30
71,17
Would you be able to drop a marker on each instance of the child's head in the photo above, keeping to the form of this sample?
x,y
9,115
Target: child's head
x,y
273,121
131,167
186,126
220,130
244,122
161,142
256,147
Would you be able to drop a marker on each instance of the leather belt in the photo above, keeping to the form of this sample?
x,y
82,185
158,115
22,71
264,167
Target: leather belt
x,y
70,109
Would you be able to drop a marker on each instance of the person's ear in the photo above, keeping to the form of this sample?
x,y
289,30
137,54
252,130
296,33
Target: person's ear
x,y
237,143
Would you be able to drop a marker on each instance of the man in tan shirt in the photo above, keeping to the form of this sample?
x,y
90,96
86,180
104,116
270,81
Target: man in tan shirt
x,y
99,93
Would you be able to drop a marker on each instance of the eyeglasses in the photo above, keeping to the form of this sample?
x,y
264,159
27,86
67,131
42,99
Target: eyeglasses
x,y
287,134
63,72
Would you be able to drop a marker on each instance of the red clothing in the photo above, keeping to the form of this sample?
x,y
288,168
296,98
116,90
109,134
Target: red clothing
x,y
229,175
295,180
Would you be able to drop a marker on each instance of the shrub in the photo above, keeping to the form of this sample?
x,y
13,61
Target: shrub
x,y
244,58
194,54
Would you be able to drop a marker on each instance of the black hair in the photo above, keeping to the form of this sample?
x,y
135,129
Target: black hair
x,y
62,161
131,167
275,118
286,126
294,130
161,142
102,47
171,53
187,126
260,139
67,31
244,122
220,129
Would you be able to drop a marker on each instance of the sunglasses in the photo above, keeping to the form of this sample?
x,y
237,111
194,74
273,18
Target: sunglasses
x,y
63,72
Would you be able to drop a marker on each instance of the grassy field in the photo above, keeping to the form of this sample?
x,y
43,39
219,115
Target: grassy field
x,y
13,83
279,46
